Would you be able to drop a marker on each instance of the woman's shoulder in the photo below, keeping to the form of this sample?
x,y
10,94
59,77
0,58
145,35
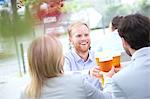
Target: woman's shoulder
x,y
68,77
69,82
73,77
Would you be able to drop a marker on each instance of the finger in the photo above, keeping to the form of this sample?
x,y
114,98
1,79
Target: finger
x,y
116,70
97,68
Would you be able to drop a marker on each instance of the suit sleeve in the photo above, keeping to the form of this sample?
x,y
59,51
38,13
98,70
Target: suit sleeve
x,y
117,92
93,93
111,86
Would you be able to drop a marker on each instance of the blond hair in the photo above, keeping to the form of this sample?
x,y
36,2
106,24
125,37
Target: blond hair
x,y
75,25
45,57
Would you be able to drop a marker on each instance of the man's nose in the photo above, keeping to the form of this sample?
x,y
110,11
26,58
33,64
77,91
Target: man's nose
x,y
83,37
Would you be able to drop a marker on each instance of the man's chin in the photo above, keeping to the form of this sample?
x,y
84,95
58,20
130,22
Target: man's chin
x,y
84,49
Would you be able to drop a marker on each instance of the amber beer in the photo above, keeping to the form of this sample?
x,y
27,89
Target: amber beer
x,y
116,60
97,57
105,64
97,61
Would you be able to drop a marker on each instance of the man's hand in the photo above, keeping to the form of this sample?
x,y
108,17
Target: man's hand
x,y
95,72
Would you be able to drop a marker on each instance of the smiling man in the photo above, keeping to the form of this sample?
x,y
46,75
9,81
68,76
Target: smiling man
x,y
80,58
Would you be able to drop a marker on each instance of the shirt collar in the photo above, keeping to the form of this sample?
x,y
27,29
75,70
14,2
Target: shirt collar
x,y
78,58
140,52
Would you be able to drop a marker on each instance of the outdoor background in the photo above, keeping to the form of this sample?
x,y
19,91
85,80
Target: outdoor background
x,y
19,25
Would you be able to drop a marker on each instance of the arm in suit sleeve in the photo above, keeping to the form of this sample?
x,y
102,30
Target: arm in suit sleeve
x,y
117,92
93,93
112,87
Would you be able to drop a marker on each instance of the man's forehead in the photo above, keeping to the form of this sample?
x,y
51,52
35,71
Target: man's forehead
x,y
80,30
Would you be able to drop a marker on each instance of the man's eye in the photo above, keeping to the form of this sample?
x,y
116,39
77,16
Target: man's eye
x,y
78,36
51,6
86,35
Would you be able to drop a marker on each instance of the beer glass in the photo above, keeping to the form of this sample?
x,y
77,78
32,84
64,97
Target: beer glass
x,y
116,60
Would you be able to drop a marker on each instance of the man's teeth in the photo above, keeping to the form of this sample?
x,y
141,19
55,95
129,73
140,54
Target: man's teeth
x,y
83,43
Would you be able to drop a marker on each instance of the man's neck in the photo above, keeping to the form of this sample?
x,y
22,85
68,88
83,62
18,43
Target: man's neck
x,y
131,51
84,55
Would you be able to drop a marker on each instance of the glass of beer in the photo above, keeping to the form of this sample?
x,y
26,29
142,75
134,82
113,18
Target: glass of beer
x,y
105,64
97,60
116,60
97,57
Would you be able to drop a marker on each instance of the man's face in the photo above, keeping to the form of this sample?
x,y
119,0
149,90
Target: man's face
x,y
80,38
125,46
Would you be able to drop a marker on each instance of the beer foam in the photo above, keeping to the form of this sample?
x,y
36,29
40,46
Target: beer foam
x,y
116,54
105,58
100,54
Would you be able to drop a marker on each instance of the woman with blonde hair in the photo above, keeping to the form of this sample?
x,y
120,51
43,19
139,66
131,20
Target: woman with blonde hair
x,y
48,80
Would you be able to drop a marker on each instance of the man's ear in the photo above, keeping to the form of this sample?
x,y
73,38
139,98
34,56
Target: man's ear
x,y
70,39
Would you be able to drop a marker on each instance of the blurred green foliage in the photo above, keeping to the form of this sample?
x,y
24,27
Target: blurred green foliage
x,y
74,6
14,27
143,6
6,54
140,6
114,10
19,26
